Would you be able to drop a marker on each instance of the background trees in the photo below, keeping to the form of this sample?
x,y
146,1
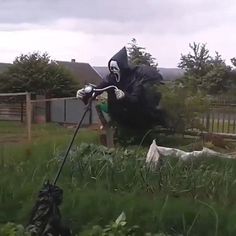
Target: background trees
x,y
139,56
35,73
203,71
233,60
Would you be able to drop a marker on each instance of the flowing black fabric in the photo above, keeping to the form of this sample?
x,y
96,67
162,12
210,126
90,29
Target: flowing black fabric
x,y
140,106
45,218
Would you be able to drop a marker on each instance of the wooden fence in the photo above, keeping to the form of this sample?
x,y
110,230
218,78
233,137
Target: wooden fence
x,y
13,111
220,119
16,107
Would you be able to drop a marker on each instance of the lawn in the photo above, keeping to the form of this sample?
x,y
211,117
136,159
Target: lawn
x,y
16,132
178,198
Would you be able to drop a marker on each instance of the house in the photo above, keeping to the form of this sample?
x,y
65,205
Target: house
x,y
4,66
84,73
102,71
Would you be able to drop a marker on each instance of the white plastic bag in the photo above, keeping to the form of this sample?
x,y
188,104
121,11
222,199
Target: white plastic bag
x,y
153,154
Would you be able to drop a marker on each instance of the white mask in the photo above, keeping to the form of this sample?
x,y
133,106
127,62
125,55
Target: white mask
x,y
114,68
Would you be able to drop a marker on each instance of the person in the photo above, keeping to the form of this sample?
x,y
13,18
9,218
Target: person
x,y
135,102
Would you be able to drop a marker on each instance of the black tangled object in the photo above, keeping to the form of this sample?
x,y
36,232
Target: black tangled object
x,y
45,219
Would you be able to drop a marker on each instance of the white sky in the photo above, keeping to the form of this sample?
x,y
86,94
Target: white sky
x,y
93,30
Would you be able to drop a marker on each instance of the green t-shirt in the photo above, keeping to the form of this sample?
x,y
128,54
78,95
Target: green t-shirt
x,y
104,107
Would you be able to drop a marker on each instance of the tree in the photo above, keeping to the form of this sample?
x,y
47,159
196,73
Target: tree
x,y
204,72
34,73
233,60
183,108
233,77
138,55
196,62
217,79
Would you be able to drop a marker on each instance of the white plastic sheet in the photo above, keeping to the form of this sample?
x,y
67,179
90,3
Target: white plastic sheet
x,y
155,152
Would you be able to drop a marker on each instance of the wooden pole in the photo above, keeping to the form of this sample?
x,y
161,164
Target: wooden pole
x,y
109,130
109,136
12,94
28,115
22,111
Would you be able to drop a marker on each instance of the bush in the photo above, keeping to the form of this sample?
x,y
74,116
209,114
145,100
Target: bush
x,y
12,229
183,111
184,108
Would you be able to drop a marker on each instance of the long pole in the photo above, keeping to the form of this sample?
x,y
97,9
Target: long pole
x,y
72,141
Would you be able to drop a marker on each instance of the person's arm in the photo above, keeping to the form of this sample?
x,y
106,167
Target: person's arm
x,y
135,95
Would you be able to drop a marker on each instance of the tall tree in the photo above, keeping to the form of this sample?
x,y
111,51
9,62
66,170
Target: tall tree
x,y
34,73
217,79
196,62
204,72
139,56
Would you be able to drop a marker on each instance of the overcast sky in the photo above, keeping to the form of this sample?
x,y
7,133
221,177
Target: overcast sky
x,y
93,30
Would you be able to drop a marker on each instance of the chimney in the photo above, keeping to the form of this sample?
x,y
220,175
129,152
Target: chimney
x,y
72,60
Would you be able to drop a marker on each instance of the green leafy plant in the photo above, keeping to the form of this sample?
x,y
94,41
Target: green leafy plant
x,y
12,229
99,183
115,228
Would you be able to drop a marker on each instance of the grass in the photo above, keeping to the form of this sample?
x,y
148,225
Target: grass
x,y
15,132
187,198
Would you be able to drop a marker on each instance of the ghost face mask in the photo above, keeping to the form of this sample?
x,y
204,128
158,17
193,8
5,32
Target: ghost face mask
x,y
114,68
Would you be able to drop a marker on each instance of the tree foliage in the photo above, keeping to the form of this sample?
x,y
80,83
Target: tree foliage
x,y
35,73
203,71
232,87
196,62
183,107
233,60
139,56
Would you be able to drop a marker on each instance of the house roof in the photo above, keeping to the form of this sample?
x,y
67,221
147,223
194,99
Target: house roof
x,y
4,66
168,74
82,72
102,71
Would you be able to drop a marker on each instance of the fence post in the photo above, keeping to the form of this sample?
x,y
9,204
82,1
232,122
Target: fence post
x,y
48,108
64,110
208,121
28,115
22,111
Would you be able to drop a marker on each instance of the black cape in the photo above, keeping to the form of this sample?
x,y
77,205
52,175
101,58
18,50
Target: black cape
x,y
140,106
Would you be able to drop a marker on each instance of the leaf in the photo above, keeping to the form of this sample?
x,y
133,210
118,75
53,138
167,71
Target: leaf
x,y
121,218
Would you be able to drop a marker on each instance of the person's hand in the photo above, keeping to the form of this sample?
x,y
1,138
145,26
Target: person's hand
x,y
80,93
119,94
